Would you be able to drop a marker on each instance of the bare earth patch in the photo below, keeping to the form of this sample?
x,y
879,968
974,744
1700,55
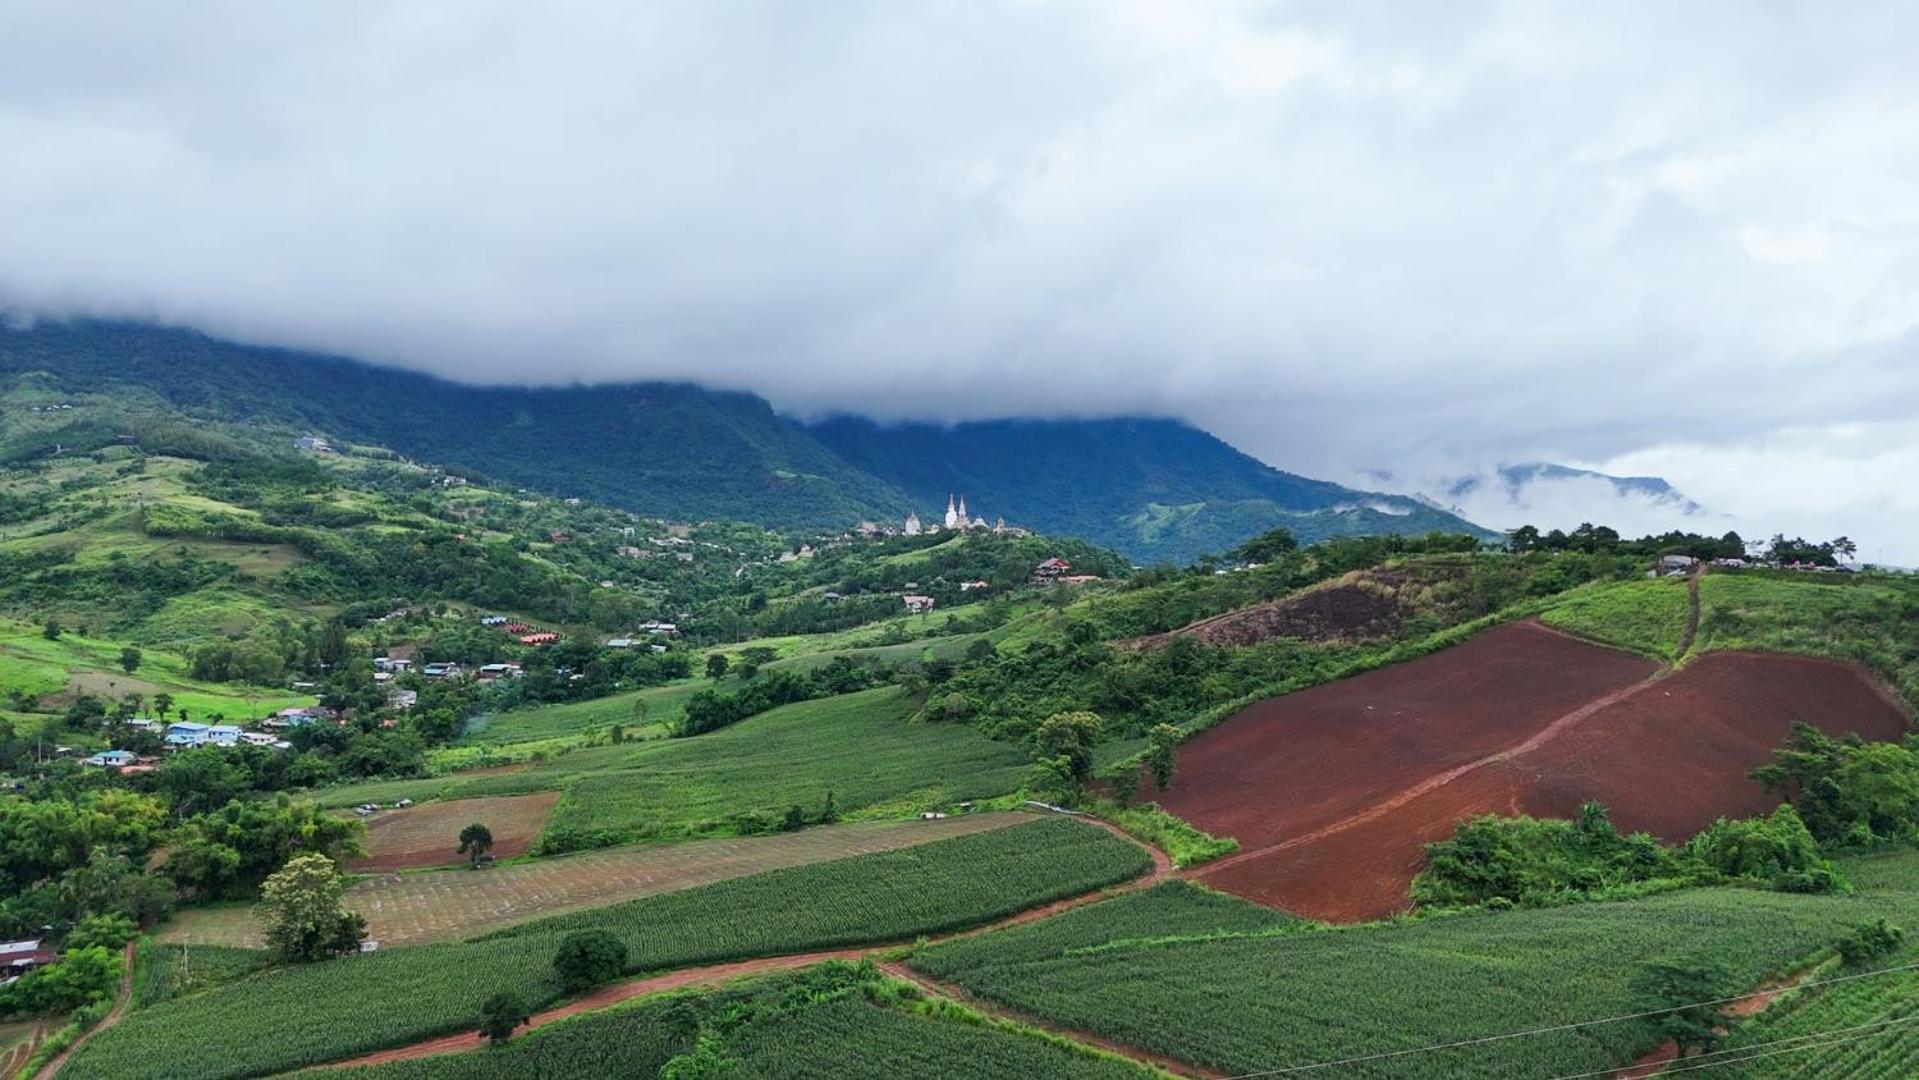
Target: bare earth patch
x,y
428,835
443,905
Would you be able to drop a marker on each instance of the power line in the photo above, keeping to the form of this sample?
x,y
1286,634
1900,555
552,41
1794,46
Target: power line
x,y
1820,1045
1484,1039
1746,1053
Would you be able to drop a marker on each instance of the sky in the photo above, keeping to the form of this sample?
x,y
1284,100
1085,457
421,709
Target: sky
x,y
1668,239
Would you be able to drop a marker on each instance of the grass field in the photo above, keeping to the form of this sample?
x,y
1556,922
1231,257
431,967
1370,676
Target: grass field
x,y
663,706
79,664
1216,989
861,747
834,1020
1866,618
1646,616
290,1018
447,905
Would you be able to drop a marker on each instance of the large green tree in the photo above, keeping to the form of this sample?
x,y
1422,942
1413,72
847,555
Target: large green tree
x,y
303,914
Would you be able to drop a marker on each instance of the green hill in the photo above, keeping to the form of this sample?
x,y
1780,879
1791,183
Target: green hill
x,y
662,449
1157,490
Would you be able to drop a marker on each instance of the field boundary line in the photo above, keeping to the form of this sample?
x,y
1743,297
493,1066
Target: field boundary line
x,y
937,988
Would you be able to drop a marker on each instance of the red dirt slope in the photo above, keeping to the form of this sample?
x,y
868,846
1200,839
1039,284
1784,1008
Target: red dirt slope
x,y
1673,757
1666,755
1295,763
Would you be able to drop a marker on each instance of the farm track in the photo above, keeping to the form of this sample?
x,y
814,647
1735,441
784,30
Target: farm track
x,y
1433,783
113,1016
936,988
714,974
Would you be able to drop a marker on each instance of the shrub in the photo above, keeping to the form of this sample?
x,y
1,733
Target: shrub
x,y
588,958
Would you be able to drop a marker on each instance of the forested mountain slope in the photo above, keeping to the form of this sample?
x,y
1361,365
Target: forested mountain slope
x,y
1155,489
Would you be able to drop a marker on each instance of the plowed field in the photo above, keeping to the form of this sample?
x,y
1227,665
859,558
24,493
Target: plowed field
x,y
1332,791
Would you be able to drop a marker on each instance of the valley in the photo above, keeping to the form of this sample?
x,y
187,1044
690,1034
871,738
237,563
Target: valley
x,y
895,802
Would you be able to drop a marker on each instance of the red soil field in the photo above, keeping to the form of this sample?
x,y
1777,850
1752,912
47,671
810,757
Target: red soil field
x,y
1291,764
428,834
1666,755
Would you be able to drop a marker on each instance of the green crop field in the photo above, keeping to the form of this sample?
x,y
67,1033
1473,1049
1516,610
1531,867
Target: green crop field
x,y
1244,999
289,1018
862,747
166,971
1644,616
1859,1028
834,1020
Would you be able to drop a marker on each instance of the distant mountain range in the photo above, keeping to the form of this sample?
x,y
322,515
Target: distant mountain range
x,y
1153,489
1517,478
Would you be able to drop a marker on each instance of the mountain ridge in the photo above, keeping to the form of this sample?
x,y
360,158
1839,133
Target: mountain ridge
x,y
1156,489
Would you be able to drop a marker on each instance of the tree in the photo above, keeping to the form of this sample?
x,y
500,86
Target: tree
x,y
129,659
1844,548
1868,942
589,958
1071,735
108,931
1688,999
716,666
1163,754
1267,546
51,631
475,840
502,1013
300,908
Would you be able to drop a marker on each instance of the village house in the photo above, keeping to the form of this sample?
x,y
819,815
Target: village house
x,y
111,759
918,605
1050,571
1676,565
505,670
543,637
391,664
402,699
19,957
620,643
655,626
969,586
441,671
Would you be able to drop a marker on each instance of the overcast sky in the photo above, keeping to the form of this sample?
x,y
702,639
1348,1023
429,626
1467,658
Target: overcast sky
x,y
1679,239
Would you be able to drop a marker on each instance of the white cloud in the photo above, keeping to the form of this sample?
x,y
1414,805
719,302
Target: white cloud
x,y
1426,237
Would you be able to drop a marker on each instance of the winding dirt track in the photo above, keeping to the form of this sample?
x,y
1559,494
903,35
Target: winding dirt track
x,y
714,974
113,1017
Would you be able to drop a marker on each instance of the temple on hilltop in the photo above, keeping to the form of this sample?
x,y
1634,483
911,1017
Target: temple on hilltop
x,y
912,524
957,518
